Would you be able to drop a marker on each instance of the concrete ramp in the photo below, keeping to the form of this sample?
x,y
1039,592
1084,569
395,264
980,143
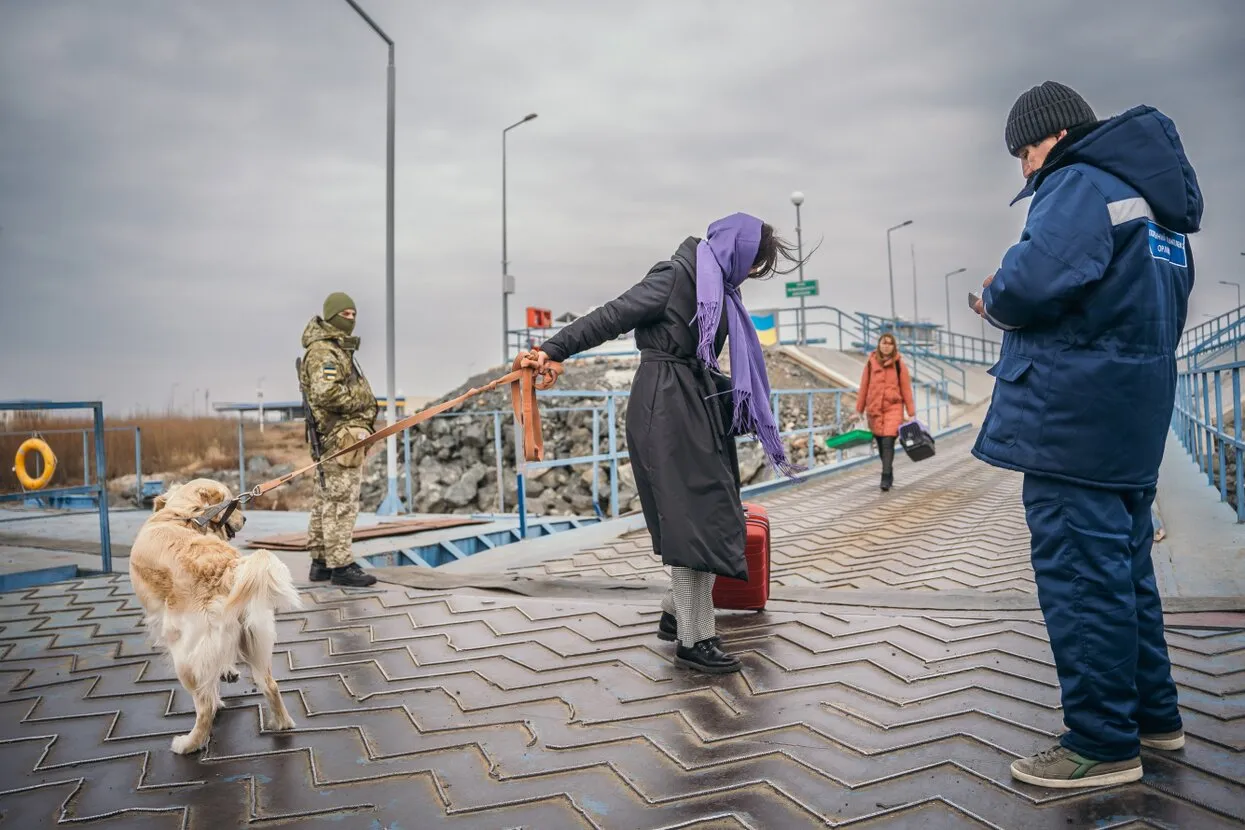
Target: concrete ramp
x,y
844,368
839,368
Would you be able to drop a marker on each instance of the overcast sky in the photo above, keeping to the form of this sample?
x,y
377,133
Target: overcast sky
x,y
182,183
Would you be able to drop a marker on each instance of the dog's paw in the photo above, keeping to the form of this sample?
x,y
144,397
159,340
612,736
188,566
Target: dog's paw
x,y
229,676
184,745
282,724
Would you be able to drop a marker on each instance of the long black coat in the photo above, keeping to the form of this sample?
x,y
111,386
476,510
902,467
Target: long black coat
x,y
685,465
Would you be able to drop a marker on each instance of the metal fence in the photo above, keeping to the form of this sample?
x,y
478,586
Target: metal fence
x,y
604,406
87,452
1213,340
98,488
1210,428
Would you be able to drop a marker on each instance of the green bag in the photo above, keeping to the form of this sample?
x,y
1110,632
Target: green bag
x,y
849,439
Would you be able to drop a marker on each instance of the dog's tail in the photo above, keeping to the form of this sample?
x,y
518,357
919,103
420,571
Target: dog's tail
x,y
262,579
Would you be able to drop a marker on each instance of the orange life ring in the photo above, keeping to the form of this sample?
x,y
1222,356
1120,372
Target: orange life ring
x,y
49,463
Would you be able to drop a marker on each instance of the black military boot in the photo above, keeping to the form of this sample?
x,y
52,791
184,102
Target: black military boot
x,y
668,628
320,572
352,576
708,657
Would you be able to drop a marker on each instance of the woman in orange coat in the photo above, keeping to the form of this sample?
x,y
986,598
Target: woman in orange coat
x,y
885,392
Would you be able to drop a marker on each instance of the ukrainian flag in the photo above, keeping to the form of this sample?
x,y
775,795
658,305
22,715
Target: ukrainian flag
x,y
766,333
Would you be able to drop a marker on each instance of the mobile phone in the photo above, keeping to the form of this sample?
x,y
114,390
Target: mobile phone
x,y
973,299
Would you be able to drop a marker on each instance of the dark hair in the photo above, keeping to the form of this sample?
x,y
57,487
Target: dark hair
x,y
772,248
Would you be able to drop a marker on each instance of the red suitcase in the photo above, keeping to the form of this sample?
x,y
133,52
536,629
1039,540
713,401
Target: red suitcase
x,y
754,593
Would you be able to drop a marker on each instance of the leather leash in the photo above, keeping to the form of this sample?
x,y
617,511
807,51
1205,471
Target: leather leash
x,y
524,383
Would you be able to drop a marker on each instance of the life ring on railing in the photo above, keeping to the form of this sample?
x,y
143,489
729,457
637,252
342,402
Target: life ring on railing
x,y
49,463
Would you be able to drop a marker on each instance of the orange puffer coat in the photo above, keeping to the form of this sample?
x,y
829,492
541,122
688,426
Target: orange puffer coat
x,y
884,394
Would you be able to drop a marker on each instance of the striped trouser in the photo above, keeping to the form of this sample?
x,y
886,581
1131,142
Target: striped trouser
x,y
690,599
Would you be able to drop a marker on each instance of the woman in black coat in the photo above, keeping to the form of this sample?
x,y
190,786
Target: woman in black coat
x,y
683,414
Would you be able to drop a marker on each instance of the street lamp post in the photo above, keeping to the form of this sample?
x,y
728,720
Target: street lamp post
x,y
890,269
507,282
390,504
1236,355
797,199
259,394
1237,285
946,283
916,312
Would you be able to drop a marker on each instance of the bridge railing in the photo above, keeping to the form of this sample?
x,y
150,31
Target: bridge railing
x,y
97,488
1210,428
1204,342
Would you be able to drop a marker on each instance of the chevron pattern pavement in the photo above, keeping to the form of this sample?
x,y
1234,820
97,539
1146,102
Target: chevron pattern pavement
x,y
424,710
950,523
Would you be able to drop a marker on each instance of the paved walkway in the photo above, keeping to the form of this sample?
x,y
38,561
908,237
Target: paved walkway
x,y
949,524
469,708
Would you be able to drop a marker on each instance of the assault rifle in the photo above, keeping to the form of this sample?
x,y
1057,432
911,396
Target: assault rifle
x,y
313,434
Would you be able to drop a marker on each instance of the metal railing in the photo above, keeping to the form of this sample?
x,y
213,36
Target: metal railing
x,y
1212,339
86,454
609,450
100,485
1199,421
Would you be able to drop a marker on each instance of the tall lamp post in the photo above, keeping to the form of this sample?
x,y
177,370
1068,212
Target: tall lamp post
x,y
946,282
1237,285
1236,354
507,281
890,269
797,199
390,505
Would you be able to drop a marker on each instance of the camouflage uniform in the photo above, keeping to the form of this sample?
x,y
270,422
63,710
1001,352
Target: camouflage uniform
x,y
344,408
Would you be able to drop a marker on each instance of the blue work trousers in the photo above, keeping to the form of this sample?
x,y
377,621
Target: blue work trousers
x,y
1096,586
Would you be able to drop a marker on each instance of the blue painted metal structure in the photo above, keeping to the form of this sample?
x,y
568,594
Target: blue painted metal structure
x,y
436,554
89,500
1211,431
99,488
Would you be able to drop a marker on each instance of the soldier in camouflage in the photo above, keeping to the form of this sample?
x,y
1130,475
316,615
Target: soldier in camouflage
x,y
344,408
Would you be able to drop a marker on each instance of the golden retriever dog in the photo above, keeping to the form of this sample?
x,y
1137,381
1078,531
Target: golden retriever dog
x,y
207,605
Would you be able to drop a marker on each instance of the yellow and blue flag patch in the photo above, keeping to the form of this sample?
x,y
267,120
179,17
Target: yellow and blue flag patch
x,y
766,332
329,372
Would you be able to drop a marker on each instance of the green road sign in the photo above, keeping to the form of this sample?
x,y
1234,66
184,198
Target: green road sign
x,y
804,288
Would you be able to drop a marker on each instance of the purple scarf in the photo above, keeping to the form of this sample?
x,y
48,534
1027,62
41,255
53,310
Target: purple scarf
x,y
723,260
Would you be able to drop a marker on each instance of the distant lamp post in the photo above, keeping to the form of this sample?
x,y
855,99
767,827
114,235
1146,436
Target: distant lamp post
x,y
1237,286
890,268
797,199
507,281
390,504
259,394
946,282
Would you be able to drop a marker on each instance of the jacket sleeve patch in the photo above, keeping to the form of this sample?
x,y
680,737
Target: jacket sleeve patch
x,y
329,372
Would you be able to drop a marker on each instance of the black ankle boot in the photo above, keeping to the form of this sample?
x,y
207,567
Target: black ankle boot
x,y
668,628
706,656
320,572
887,481
352,576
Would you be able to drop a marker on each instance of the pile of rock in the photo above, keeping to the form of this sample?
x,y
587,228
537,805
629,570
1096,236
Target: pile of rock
x,y
454,459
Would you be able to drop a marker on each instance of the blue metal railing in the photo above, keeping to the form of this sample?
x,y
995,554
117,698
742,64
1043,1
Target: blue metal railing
x,y
933,408
99,487
86,452
1213,338
1199,421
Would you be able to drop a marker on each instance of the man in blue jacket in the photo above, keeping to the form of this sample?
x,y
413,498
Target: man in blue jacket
x,y
1093,300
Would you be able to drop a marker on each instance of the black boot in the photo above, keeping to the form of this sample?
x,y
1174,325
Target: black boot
x,y
352,576
706,656
668,628
320,572
887,481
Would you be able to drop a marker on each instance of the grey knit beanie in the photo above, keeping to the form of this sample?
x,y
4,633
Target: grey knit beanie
x,y
1043,111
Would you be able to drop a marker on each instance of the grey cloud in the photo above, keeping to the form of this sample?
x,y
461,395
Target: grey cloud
x,y
181,183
